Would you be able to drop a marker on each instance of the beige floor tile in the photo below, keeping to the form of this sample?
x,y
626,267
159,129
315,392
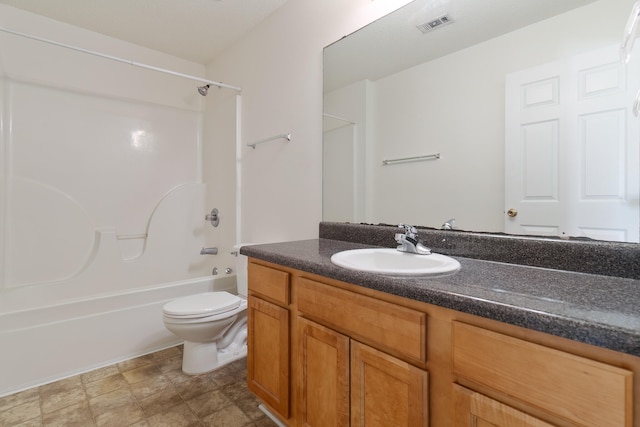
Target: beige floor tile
x,y
121,416
112,401
146,391
208,403
18,398
143,423
141,374
99,374
236,390
178,376
249,406
136,363
77,415
53,401
36,422
230,416
20,413
160,402
222,377
170,364
178,416
239,365
195,386
106,385
264,422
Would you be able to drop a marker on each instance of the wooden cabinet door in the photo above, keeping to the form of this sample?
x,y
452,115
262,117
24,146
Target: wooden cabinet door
x,y
472,409
268,354
323,382
386,391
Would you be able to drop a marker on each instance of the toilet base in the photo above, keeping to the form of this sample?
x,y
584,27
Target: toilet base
x,y
200,358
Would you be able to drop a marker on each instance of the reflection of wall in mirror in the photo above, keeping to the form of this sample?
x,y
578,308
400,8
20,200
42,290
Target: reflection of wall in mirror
x,y
344,198
454,105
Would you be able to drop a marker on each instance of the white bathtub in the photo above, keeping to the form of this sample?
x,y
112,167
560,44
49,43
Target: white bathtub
x,y
50,343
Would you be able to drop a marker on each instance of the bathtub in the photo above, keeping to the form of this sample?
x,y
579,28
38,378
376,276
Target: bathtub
x,y
45,344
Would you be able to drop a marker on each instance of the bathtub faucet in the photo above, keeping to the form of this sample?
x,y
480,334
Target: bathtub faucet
x,y
209,251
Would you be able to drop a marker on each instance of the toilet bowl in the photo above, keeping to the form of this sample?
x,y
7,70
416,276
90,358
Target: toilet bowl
x,y
213,325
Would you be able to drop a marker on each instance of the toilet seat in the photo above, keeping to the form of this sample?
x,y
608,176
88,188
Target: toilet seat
x,y
201,305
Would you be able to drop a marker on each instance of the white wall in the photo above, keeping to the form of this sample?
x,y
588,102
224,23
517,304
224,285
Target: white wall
x,y
344,141
279,67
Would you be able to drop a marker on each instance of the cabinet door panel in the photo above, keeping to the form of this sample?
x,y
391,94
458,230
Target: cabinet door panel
x,y
475,410
324,376
268,354
386,391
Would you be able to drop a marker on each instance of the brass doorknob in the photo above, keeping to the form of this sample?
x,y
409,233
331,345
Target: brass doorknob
x,y
512,212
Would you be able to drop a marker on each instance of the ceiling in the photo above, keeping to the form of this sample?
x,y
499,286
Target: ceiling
x,y
195,30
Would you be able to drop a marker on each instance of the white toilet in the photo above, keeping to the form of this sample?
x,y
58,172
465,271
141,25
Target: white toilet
x,y
212,324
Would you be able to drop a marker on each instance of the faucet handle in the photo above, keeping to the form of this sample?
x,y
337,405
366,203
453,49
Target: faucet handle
x,y
409,230
448,224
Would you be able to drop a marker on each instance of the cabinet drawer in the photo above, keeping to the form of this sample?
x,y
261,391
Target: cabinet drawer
x,y
269,282
397,330
577,389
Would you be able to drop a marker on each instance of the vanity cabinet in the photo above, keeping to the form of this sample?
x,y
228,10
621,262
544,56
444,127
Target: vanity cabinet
x,y
268,338
344,382
327,353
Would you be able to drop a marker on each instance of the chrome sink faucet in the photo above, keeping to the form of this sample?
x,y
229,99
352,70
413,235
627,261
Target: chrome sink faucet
x,y
408,241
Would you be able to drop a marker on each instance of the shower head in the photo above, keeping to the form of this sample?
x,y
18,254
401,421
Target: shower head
x,y
202,90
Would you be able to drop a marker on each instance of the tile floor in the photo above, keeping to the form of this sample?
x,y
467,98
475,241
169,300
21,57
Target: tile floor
x,y
146,391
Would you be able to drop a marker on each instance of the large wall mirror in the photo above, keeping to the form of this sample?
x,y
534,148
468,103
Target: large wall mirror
x,y
509,116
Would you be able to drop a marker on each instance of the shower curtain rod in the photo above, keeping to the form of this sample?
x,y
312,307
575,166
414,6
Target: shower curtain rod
x,y
115,58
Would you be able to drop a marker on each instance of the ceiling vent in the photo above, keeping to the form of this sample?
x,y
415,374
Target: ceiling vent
x,y
435,24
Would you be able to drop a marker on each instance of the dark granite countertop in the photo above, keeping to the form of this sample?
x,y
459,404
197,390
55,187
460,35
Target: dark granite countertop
x,y
594,309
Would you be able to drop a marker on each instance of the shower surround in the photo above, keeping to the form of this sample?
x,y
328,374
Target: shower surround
x,y
102,201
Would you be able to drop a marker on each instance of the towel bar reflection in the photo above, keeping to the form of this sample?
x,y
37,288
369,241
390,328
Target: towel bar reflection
x,y
411,159
286,136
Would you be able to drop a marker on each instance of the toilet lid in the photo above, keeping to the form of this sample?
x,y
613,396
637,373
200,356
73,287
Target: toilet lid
x,y
204,304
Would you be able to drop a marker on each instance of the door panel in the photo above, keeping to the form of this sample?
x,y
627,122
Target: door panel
x,y
324,371
571,148
386,391
268,354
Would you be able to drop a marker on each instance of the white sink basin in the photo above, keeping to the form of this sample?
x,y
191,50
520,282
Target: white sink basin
x,y
393,262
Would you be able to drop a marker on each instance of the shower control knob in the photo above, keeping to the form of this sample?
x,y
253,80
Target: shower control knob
x,y
213,217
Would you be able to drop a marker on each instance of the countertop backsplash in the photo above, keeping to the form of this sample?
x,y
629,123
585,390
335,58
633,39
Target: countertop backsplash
x,y
585,256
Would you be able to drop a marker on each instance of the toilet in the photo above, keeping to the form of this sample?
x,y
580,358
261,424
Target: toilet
x,y
213,325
